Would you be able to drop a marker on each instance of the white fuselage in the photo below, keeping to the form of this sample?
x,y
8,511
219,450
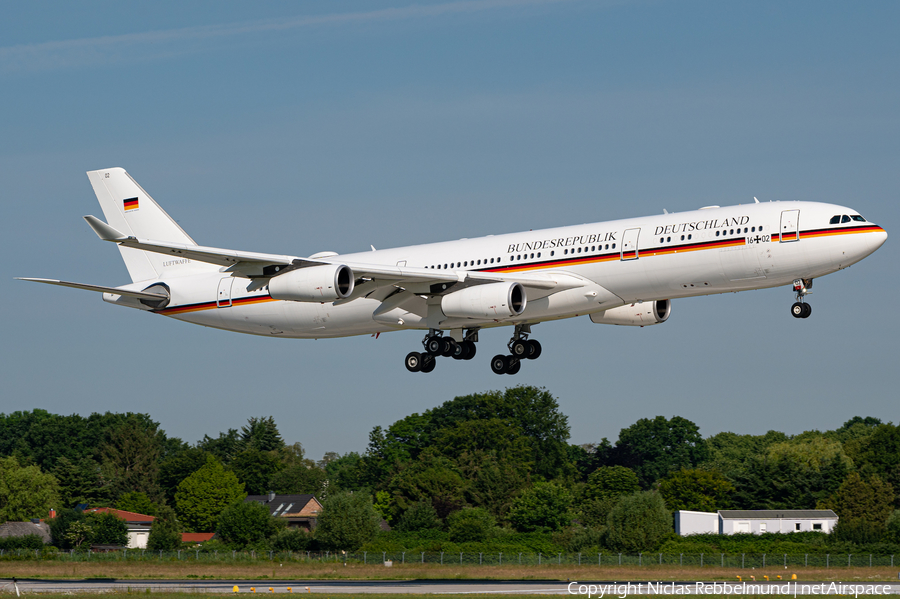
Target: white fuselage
x,y
702,252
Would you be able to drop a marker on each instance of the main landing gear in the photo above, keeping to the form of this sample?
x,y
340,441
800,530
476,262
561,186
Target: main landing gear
x,y
801,309
520,348
437,345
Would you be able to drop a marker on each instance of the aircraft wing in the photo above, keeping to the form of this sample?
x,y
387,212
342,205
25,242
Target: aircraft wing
x,y
255,264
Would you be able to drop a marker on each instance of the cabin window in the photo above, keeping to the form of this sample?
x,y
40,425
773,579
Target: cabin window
x,y
579,250
552,252
532,256
607,246
682,238
668,239
614,246
662,239
492,260
539,254
760,228
689,237
565,251
593,248
717,233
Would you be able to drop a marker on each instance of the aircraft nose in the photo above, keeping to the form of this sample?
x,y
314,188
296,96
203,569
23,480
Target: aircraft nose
x,y
877,239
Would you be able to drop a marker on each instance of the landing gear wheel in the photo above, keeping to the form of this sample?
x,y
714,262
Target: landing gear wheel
x,y
807,310
797,310
513,365
413,361
498,364
519,348
535,348
428,363
434,345
447,346
460,351
470,349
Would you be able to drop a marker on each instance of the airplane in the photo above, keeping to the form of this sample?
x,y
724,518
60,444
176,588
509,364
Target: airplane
x,y
621,272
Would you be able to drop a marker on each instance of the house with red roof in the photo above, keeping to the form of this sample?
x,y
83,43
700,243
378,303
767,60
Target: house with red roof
x,y
138,525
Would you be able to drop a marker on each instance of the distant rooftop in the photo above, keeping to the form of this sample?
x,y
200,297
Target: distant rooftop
x,y
778,514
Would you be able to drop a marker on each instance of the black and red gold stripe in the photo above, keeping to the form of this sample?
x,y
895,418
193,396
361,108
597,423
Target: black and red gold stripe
x,y
243,301
130,204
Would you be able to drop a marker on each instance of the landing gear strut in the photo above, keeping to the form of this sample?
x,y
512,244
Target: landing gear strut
x,y
520,348
436,344
801,309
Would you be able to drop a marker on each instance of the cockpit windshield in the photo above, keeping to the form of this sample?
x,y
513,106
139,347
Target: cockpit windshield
x,y
843,218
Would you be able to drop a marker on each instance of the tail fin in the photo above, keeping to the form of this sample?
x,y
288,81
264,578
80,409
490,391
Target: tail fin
x,y
128,208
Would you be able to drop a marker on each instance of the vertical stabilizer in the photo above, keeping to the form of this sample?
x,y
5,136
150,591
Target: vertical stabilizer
x,y
128,208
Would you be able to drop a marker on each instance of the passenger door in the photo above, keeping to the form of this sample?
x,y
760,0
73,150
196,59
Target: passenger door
x,y
790,225
630,244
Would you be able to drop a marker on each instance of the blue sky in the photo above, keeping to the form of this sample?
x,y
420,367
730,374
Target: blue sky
x,y
294,128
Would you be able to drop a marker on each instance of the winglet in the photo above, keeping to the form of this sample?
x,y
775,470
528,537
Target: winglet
x,y
104,231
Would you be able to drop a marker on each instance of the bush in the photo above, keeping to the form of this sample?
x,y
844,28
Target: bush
x,y
420,516
291,539
347,521
892,528
107,529
472,524
638,522
246,524
545,506
165,533
32,542
858,531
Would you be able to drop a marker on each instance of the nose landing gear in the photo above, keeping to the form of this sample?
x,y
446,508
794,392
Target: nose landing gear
x,y
801,309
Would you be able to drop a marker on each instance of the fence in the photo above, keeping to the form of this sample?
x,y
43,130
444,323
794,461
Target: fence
x,y
712,560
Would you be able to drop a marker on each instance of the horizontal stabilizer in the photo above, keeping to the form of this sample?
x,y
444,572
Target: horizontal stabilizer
x,y
100,289
104,231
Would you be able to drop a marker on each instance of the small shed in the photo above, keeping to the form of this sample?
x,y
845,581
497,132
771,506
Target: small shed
x,y
138,525
696,523
762,521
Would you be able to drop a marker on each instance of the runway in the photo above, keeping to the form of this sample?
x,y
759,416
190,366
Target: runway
x,y
438,587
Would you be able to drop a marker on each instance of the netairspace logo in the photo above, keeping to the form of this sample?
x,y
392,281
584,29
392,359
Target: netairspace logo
x,y
624,589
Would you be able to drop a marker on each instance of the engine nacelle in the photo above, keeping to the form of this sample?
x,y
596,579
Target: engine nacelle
x,y
636,315
324,283
493,300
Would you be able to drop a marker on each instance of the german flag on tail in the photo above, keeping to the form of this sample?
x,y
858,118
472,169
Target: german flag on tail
x,y
130,204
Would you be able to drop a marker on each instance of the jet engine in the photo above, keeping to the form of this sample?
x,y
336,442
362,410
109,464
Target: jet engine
x,y
493,300
324,283
636,315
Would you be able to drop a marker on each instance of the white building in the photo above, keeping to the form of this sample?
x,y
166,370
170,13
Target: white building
x,y
763,521
696,523
729,522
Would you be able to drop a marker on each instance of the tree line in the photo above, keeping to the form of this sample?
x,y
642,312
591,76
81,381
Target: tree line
x,y
487,468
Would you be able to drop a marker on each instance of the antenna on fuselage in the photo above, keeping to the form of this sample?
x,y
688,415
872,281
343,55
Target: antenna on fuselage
x,y
755,200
